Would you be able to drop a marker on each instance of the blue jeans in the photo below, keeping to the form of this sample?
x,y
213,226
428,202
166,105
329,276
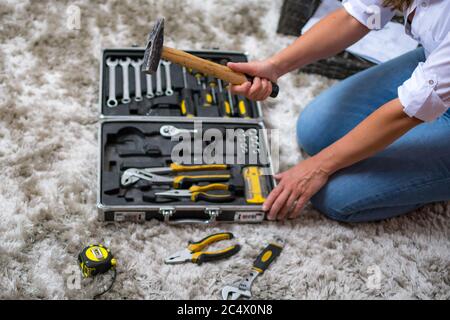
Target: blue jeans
x,y
413,171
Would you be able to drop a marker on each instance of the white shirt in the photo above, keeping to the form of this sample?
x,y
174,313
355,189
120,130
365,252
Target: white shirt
x,y
426,95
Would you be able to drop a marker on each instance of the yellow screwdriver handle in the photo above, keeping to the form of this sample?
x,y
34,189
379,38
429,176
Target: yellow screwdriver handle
x,y
253,185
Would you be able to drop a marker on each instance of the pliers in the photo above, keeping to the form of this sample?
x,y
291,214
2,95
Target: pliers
x,y
197,193
152,175
194,252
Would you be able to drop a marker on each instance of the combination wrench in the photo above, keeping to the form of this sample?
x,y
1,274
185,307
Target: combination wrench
x,y
125,72
169,90
137,79
159,90
150,94
112,101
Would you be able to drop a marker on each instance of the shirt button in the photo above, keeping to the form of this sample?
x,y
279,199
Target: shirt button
x,y
431,82
424,4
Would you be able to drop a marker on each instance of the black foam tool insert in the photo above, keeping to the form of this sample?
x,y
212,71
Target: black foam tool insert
x,y
126,144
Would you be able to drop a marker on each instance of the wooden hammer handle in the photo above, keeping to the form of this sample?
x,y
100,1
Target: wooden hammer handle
x,y
209,68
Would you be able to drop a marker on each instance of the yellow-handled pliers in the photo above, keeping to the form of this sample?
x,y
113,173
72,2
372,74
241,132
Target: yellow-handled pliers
x,y
197,193
155,175
194,252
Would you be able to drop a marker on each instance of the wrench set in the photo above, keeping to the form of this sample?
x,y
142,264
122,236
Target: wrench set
x,y
147,173
171,91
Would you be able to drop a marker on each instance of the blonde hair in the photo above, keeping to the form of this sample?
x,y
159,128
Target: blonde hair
x,y
397,4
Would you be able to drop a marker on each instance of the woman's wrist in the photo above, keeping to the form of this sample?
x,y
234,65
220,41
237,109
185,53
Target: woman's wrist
x,y
276,66
326,161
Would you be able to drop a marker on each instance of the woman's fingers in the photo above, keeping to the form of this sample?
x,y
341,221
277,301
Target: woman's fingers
x,y
301,203
255,89
244,67
279,176
267,85
278,204
242,89
288,205
272,197
262,92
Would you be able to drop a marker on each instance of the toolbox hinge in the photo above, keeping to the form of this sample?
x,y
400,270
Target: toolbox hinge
x,y
167,212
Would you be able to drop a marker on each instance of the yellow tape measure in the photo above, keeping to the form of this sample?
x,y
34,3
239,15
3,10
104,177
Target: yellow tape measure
x,y
96,259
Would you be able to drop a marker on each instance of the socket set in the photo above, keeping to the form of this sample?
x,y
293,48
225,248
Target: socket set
x,y
143,119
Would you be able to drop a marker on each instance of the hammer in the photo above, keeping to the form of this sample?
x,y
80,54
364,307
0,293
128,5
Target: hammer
x,y
155,51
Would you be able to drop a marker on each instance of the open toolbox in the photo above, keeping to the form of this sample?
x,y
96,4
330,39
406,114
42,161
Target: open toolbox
x,y
159,162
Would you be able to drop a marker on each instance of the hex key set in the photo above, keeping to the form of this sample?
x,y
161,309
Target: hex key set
x,y
144,118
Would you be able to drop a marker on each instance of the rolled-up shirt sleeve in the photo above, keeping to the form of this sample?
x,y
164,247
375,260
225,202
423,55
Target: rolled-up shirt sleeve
x,y
426,95
370,13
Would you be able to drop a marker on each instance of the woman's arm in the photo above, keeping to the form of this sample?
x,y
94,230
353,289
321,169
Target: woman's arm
x,y
331,35
298,184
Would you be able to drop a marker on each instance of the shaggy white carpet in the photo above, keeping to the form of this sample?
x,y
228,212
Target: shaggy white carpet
x,y
48,159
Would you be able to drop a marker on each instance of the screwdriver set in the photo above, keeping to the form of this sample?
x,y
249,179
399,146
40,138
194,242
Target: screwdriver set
x,y
165,144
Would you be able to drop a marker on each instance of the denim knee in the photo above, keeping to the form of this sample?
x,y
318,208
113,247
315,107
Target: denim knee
x,y
337,199
332,207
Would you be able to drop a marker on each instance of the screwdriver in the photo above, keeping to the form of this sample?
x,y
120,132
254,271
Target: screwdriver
x,y
243,107
206,97
213,84
187,105
224,104
230,100
197,76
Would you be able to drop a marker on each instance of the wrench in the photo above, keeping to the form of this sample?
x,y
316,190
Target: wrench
x,y
171,131
137,79
169,90
126,89
150,93
159,90
112,101
262,262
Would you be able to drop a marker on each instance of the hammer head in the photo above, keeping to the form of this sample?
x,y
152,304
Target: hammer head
x,y
154,48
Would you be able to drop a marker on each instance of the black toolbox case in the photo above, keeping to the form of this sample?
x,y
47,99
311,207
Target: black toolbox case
x,y
129,137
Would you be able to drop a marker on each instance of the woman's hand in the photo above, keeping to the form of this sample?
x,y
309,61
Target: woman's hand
x,y
296,186
263,71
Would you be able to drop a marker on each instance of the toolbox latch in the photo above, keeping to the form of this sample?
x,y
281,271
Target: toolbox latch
x,y
213,213
167,212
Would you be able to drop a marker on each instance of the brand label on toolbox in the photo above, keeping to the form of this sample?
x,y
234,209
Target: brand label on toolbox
x,y
249,216
132,216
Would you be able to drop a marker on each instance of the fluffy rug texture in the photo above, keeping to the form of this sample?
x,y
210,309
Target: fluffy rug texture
x,y
49,85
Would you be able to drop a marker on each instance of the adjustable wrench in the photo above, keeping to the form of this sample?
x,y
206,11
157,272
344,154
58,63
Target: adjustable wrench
x,y
150,94
137,79
262,262
126,89
169,90
112,101
159,90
